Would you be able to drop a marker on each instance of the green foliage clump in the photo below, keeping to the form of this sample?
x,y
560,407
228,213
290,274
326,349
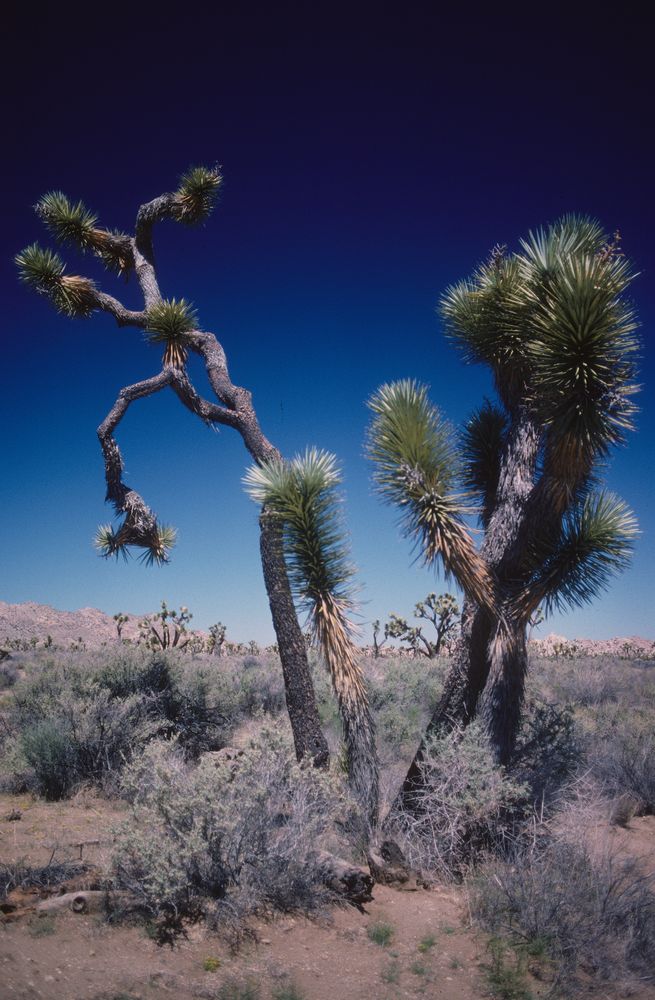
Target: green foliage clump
x,y
229,838
587,914
380,933
465,806
72,722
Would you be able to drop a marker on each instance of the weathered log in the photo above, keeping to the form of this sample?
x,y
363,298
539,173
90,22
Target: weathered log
x,y
353,883
389,866
84,901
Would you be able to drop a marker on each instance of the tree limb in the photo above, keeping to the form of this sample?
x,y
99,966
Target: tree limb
x,y
209,412
140,526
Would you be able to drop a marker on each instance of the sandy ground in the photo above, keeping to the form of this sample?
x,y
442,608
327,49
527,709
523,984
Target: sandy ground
x,y
432,951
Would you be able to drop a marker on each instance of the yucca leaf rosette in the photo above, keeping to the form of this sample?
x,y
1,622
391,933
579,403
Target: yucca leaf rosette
x,y
416,469
196,194
595,541
44,271
73,224
156,542
169,323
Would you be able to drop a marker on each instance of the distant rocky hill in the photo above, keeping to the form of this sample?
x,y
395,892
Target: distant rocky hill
x,y
37,621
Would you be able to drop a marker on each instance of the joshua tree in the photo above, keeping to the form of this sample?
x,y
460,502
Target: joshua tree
x,y
171,324
302,495
120,620
377,643
216,641
440,611
555,327
173,628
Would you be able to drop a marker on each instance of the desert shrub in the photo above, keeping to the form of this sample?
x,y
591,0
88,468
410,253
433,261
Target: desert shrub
x,y
48,752
592,682
225,840
259,685
621,755
63,729
75,719
589,681
403,692
595,915
549,750
88,740
20,875
465,806
9,673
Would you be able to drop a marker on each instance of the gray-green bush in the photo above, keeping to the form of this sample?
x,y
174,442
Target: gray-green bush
x,y
588,914
226,839
75,719
466,806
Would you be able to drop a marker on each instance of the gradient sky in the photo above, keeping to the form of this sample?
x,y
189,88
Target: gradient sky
x,y
369,161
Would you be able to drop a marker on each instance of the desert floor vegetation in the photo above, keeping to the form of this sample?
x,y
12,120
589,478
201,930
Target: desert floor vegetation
x,y
166,783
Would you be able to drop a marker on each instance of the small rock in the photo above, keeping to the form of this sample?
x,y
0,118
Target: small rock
x,y
14,815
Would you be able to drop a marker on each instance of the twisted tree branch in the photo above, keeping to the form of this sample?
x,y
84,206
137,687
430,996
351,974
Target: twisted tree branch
x,y
140,526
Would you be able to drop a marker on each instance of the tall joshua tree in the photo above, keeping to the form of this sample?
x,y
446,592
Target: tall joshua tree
x,y
302,494
171,324
555,327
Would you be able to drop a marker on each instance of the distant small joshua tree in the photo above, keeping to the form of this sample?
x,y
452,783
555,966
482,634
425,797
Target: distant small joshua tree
x,y
216,640
120,620
377,642
173,627
441,612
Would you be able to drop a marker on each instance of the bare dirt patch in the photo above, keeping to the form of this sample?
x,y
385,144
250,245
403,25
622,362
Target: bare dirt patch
x,y
406,944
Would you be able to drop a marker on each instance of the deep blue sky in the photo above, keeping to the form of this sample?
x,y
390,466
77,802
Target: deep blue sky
x,y
369,161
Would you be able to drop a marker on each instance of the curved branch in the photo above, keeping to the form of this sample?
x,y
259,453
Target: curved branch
x,y
209,412
123,316
234,397
140,526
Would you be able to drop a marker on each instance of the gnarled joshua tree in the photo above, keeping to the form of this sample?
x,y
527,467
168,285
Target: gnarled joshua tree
x,y
172,324
554,325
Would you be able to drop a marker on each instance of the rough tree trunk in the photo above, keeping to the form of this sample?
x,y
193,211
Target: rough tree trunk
x,y
487,672
308,736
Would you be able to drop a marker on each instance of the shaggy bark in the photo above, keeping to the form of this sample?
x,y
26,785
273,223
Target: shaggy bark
x,y
307,733
487,672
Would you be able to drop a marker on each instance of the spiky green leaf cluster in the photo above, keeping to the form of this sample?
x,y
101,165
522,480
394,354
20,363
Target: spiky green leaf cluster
x,y
158,548
156,544
409,438
303,494
69,223
482,441
196,194
169,322
108,542
74,224
485,317
554,324
40,268
596,541
44,271
583,351
416,469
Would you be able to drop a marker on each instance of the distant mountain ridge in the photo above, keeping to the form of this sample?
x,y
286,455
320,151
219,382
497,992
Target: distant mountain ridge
x,y
37,621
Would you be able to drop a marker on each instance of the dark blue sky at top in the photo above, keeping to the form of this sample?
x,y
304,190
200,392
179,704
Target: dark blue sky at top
x,y
369,161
